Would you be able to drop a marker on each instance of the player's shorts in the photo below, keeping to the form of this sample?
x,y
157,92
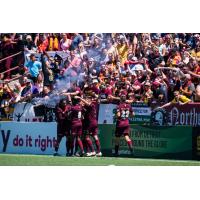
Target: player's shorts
x,y
122,131
85,127
93,130
76,130
63,131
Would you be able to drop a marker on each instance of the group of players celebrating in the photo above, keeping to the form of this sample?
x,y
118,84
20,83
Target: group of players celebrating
x,y
77,121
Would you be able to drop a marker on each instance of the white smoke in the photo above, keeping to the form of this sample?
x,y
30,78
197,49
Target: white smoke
x,y
71,75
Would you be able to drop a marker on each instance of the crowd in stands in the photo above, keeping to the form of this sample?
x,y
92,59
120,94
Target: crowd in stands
x,y
150,67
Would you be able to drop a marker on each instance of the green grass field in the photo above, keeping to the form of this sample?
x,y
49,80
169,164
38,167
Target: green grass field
x,y
40,160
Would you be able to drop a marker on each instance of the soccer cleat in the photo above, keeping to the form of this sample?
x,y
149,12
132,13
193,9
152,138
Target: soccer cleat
x,y
77,154
93,153
68,154
56,154
88,154
82,154
99,154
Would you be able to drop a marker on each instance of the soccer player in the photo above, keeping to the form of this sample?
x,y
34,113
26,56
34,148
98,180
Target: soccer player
x,y
63,125
76,124
92,125
123,112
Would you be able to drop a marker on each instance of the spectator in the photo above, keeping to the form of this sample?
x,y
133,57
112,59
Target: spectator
x,y
187,87
180,99
77,38
29,91
34,68
53,43
150,67
65,42
122,49
42,43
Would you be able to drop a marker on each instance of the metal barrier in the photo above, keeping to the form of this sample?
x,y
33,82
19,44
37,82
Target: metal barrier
x,y
11,56
14,68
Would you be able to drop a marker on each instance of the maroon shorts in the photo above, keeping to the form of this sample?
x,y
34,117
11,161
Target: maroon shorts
x,y
76,130
63,131
122,131
93,130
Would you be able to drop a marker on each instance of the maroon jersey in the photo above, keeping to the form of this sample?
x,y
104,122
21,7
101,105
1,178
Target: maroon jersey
x,y
63,124
62,113
91,114
125,110
76,115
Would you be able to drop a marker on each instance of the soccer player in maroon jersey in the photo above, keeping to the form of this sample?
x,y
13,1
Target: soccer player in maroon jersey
x,y
76,124
92,125
124,111
63,125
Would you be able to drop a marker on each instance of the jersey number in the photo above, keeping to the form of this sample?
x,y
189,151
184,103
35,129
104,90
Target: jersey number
x,y
79,115
125,113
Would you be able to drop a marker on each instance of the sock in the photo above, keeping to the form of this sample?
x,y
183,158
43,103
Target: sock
x,y
76,145
72,145
80,144
85,145
59,138
89,144
130,145
68,144
97,145
116,149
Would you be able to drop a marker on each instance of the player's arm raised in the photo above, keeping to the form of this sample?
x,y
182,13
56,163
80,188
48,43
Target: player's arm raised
x,y
70,93
83,100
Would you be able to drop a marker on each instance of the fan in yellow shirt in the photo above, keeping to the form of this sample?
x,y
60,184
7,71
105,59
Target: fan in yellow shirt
x,y
178,98
122,49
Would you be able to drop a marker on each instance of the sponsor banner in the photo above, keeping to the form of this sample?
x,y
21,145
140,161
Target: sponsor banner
x,y
196,143
27,112
23,112
40,138
162,142
107,112
188,114
29,138
142,115
140,119
142,111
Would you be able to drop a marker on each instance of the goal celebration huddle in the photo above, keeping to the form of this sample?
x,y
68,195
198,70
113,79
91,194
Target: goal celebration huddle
x,y
77,120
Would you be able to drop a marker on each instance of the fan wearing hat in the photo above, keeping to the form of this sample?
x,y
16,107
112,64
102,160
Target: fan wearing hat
x,y
123,112
29,91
